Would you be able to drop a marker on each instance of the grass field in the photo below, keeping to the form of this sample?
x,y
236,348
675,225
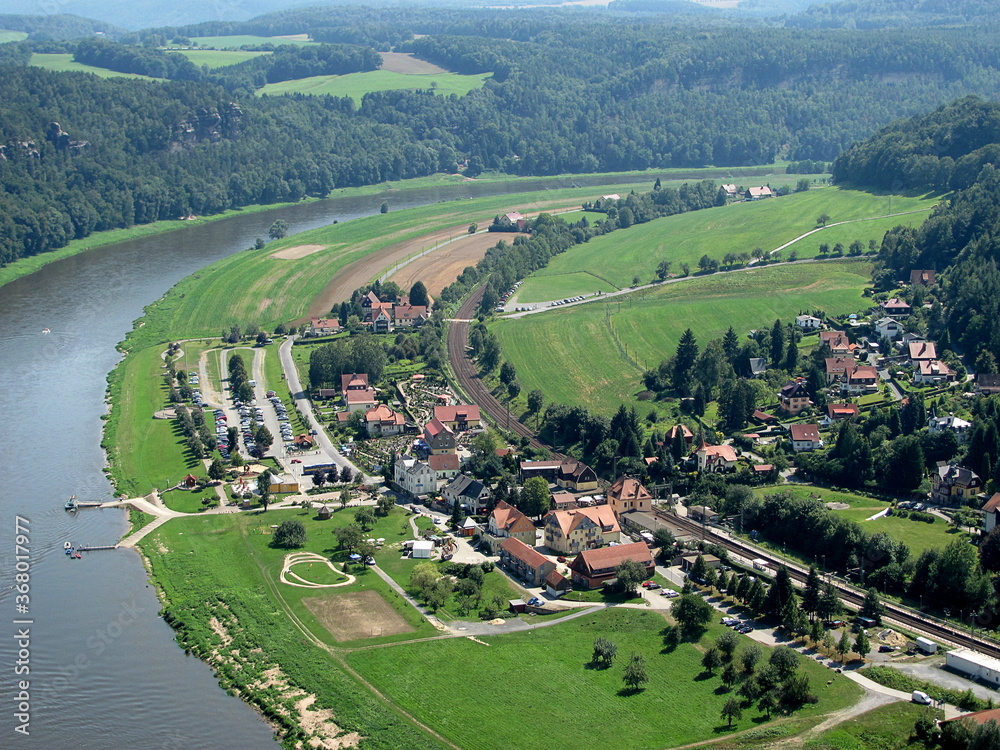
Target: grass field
x,y
542,678
591,367
884,728
12,36
737,228
218,58
356,85
63,63
238,40
219,577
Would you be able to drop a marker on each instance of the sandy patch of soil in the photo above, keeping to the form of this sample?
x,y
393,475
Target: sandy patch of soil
x,y
362,614
440,268
837,506
405,62
298,251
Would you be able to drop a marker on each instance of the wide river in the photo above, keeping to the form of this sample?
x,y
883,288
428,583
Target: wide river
x,y
105,671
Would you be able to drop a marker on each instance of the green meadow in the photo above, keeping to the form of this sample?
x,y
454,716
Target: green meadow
x,y
736,228
356,85
544,679
239,40
888,727
594,354
12,36
63,63
214,58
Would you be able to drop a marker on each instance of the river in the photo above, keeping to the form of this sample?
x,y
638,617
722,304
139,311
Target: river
x,y
104,668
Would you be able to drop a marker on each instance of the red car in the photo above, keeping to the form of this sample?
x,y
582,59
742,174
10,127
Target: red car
x,y
296,460
561,559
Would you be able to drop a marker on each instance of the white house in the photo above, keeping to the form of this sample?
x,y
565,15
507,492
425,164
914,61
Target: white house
x,y
805,437
888,328
933,372
992,510
414,477
467,492
808,322
716,458
960,427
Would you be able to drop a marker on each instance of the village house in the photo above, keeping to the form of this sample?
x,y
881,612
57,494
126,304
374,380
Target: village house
x,y
987,384
458,418
446,465
689,561
556,584
382,421
596,567
953,485
382,317
303,442
804,437
730,190
794,397
564,501
414,477
567,473
888,328
895,308
683,430
524,562
933,372
921,351
715,459
439,437
839,412
507,521
323,326
409,316
629,494
470,494
991,509
368,301
357,394
837,341
861,379
702,514
923,277
757,366
758,193
951,423
836,368
808,322
571,531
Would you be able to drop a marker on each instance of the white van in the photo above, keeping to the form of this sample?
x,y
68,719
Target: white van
x,y
921,697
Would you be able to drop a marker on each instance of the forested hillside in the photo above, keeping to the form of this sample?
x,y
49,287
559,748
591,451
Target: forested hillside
x,y
570,92
955,147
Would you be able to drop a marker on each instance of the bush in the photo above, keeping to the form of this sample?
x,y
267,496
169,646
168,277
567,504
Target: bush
x,y
289,534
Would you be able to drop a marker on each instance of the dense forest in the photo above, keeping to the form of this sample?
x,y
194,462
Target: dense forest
x,y
570,92
955,147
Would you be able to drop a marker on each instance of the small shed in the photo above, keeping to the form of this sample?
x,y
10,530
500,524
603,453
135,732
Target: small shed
x,y
556,584
926,645
422,549
190,480
516,605
469,527
323,514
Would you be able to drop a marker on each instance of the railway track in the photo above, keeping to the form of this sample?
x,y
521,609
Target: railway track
x,y
852,597
469,381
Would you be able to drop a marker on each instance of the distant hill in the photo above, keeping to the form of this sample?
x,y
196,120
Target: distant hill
x,y
877,14
58,27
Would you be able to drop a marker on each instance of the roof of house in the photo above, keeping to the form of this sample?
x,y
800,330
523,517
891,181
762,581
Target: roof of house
x,y
977,717
556,580
325,323
759,191
524,553
570,468
409,312
627,488
570,520
465,486
837,340
931,367
794,389
513,216
841,411
862,372
886,322
457,413
762,416
763,468
923,276
725,452
957,474
563,498
804,318
371,298
987,380
804,432
604,558
540,465
951,422
683,429
360,396
444,462
384,414
357,380
303,439
922,350
993,504
758,365
435,427
895,304
505,516
839,364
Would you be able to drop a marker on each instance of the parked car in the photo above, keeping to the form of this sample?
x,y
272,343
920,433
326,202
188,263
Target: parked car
x,y
653,586
561,559
296,460
885,649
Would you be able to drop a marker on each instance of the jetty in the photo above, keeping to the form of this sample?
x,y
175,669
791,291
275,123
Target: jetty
x,y
74,504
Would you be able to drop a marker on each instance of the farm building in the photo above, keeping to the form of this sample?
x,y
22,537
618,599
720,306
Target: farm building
x,y
975,665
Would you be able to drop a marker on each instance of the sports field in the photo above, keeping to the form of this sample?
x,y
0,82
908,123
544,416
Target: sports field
x,y
356,85
594,354
736,228
63,63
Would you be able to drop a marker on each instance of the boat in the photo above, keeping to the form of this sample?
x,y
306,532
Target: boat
x,y
77,555
71,503
69,550
46,330
67,545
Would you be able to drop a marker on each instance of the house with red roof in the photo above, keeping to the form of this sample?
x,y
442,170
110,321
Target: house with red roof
x,y
991,509
921,351
446,465
716,458
933,372
896,308
836,368
524,563
837,341
439,437
861,379
804,437
683,430
459,417
571,531
506,520
409,316
629,494
839,412
382,421
596,567
323,326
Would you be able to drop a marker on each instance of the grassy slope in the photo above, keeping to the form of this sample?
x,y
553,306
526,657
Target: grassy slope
x,y
541,678
884,728
60,62
737,228
218,58
236,41
593,372
12,36
221,565
356,85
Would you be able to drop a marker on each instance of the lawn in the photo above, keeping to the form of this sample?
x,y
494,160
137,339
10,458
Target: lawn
x,y
219,577
884,728
737,228
600,366
214,58
239,40
356,85
12,36
63,62
542,677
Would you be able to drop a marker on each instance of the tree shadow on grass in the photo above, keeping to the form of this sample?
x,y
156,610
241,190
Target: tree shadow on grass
x,y
723,728
627,692
703,675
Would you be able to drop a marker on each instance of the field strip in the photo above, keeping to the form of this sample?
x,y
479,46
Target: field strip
x,y
848,221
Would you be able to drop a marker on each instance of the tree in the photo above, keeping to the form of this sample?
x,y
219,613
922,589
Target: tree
x,y
663,269
535,497
844,645
697,571
989,550
811,594
692,613
767,703
629,575
730,675
828,642
346,474
829,602
418,295
384,208
665,540
604,653
872,607
365,517
862,645
348,537
216,470
712,660
290,533
732,711
278,229
727,644
473,228
784,660
635,675
513,389
535,401
822,220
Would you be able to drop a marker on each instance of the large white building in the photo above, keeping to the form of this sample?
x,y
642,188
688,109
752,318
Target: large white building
x,y
414,477
976,665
